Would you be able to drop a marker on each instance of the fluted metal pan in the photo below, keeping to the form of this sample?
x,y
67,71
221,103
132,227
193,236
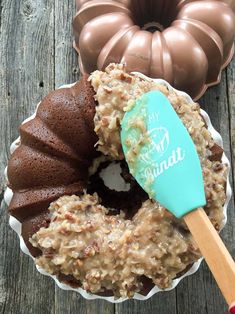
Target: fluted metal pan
x,y
185,42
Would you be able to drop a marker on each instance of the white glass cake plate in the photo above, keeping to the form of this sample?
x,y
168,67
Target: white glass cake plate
x,y
16,225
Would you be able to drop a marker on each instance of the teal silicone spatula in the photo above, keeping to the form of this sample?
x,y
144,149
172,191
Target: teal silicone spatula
x,y
163,158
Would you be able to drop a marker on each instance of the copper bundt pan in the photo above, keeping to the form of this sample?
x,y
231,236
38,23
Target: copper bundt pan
x,y
185,42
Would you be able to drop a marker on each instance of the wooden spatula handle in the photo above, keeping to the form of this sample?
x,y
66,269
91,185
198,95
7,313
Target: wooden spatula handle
x,y
215,253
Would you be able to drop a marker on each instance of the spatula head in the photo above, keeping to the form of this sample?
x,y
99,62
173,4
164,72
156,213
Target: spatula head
x,y
161,154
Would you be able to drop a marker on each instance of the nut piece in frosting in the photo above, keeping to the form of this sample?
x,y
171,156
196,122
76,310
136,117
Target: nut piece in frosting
x,y
109,252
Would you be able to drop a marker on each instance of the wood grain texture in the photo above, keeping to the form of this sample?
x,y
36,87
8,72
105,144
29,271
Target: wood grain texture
x,y
162,303
231,112
26,28
66,60
36,55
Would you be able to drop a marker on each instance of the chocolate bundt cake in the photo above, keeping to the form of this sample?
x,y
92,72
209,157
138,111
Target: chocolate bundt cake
x,y
56,149
68,222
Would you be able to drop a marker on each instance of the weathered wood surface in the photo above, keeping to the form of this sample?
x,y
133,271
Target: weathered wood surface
x,y
36,56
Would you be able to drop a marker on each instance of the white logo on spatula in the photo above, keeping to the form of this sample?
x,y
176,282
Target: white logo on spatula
x,y
159,143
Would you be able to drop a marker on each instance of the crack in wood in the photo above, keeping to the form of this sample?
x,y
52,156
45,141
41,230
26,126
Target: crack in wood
x,y
230,134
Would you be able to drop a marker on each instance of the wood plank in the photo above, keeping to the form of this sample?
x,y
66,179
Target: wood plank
x,y
72,302
66,58
67,71
231,113
27,58
161,303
